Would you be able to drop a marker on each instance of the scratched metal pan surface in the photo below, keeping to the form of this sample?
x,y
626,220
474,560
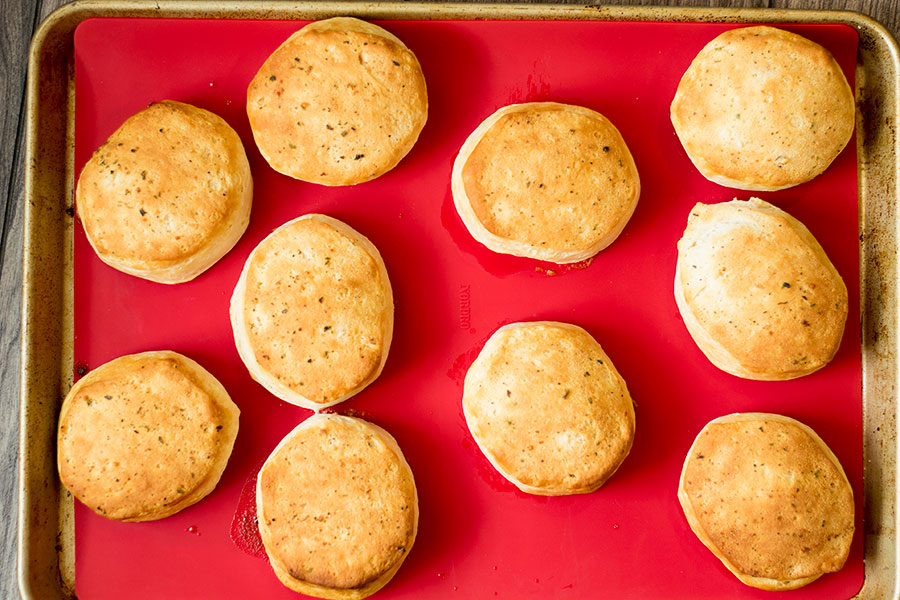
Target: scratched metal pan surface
x,y
46,518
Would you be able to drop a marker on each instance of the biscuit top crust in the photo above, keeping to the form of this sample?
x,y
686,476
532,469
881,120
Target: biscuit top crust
x,y
317,309
340,102
553,176
337,503
163,186
762,287
770,496
139,435
547,406
764,107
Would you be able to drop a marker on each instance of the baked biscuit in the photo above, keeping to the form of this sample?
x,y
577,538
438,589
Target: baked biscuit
x,y
145,436
545,180
167,195
337,508
313,312
768,497
340,102
763,109
757,292
548,408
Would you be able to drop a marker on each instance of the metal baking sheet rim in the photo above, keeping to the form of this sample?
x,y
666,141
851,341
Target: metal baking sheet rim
x,y
46,551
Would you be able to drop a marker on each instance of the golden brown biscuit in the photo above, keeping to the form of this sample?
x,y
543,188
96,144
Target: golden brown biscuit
x,y
545,180
313,312
145,436
757,292
340,102
548,408
337,508
763,109
768,497
167,195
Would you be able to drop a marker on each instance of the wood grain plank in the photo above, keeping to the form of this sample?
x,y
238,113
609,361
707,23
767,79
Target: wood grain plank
x,y
10,341
20,20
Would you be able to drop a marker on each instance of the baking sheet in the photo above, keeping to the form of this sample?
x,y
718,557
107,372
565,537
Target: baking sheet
x,y
874,185
627,539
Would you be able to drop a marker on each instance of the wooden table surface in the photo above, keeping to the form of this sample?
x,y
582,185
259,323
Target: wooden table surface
x,y
21,17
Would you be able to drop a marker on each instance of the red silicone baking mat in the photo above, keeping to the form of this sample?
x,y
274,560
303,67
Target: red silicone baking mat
x,y
479,537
